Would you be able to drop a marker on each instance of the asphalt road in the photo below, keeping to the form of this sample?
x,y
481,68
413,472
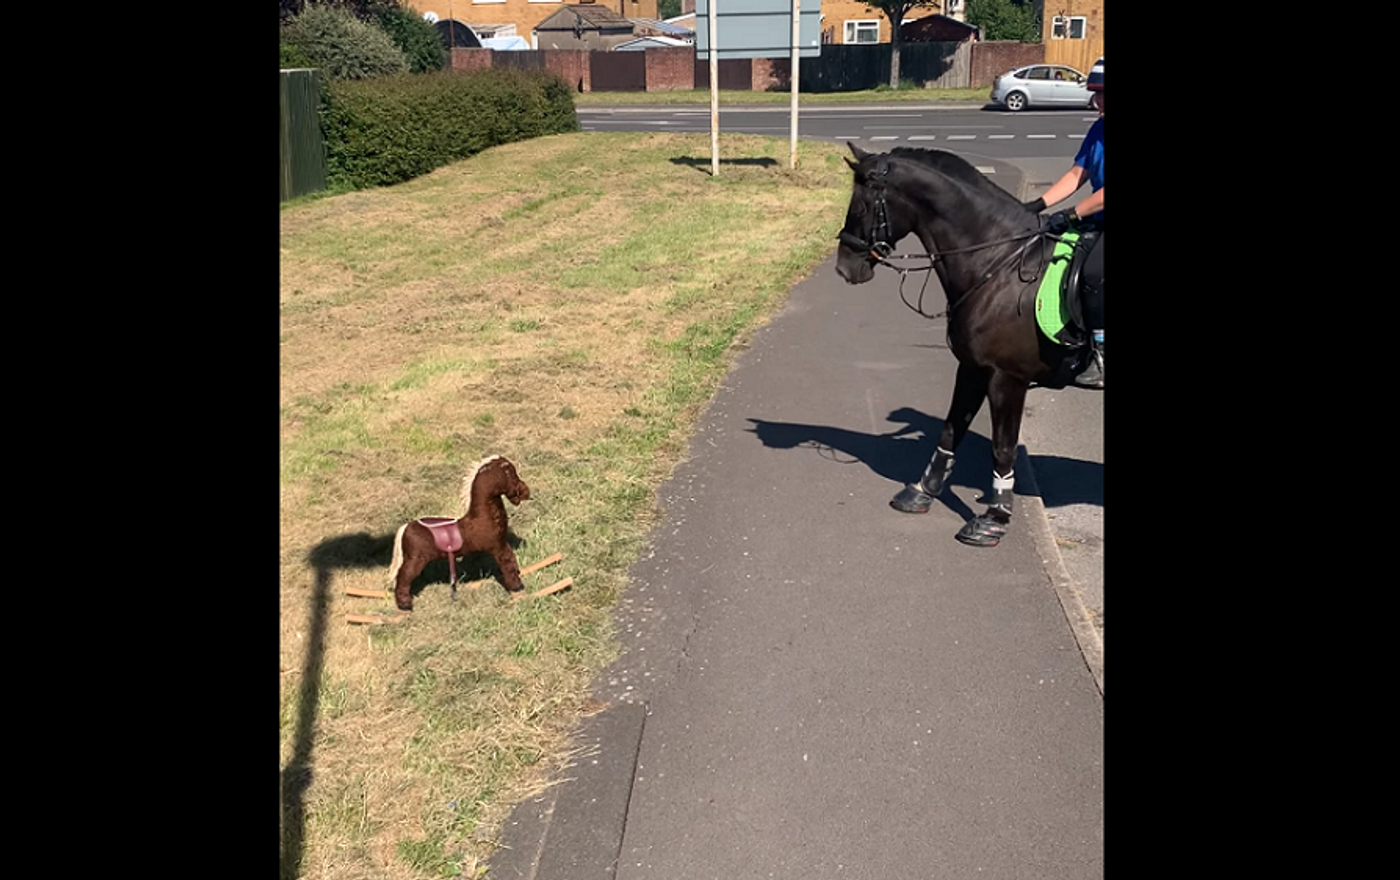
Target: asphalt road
x,y
988,132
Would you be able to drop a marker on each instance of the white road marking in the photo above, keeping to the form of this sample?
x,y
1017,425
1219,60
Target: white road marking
x,y
1000,137
962,137
885,137
985,169
1041,137
921,137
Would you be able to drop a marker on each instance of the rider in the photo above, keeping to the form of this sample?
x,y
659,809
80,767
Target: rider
x,y
1087,214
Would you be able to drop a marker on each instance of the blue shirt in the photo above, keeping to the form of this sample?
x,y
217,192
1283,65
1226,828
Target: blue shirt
x,y
1090,158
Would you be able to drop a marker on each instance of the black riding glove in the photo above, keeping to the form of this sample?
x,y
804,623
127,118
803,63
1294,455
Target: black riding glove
x,y
1035,206
1061,222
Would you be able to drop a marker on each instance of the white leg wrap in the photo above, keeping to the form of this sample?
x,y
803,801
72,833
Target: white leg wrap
x,y
1001,484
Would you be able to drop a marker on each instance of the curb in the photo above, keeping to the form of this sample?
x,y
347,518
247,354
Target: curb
x,y
1080,623
574,830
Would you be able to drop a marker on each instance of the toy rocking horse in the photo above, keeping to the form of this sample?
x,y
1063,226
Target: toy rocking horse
x,y
482,529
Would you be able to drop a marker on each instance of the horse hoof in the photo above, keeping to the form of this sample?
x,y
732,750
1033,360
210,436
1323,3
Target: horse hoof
x,y
912,500
982,531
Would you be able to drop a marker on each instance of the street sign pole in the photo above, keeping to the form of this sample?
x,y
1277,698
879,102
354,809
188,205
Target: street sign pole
x,y
796,45
714,90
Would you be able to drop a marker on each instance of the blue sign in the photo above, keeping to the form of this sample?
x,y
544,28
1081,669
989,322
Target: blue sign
x,y
757,29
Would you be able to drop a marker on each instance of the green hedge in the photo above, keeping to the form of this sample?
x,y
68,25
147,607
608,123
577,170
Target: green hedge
x,y
390,129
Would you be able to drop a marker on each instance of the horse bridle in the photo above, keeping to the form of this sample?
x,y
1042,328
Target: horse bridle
x,y
879,250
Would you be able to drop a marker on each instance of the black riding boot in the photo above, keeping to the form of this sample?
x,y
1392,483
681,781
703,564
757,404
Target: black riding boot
x,y
1092,374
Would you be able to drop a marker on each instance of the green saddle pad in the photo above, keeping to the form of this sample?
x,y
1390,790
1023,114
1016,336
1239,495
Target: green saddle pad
x,y
1051,311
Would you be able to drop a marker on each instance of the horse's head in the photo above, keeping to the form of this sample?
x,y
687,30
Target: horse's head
x,y
511,485
872,227
493,477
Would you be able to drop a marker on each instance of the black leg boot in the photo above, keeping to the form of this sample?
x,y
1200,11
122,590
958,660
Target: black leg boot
x,y
987,529
918,497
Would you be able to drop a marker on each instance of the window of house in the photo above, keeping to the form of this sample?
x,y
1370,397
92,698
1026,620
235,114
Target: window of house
x,y
1068,27
867,31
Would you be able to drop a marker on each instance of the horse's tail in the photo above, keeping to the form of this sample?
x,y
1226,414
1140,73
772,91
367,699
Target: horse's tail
x,y
398,554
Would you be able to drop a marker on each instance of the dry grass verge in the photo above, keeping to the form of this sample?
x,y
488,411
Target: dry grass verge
x,y
570,303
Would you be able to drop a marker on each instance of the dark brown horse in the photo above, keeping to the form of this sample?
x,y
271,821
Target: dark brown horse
x,y
985,247
482,529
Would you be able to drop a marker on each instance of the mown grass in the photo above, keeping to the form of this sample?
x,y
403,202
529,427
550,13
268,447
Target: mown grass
x,y
570,303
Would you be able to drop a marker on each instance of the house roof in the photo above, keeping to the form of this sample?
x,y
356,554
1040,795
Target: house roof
x,y
649,42
587,15
457,34
664,28
938,26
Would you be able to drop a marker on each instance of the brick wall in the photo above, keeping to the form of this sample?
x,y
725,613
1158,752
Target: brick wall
x,y
572,67
471,59
991,59
675,68
670,69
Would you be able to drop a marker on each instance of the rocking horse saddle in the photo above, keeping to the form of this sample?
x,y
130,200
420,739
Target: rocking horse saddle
x,y
446,535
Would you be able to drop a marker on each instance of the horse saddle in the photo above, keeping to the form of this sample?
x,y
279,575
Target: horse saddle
x,y
446,535
1057,305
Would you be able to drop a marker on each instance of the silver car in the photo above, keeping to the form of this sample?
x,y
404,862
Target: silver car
x,y
1041,85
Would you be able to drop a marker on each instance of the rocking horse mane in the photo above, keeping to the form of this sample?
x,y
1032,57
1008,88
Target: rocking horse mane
x,y
470,480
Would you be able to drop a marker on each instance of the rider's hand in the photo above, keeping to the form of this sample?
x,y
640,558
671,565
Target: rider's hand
x,y
1061,222
1035,206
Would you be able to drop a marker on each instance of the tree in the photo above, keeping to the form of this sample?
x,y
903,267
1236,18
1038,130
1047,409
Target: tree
x,y
895,11
668,9
1005,19
417,38
340,44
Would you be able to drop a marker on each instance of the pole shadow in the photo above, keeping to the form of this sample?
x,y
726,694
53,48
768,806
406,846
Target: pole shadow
x,y
357,551
700,164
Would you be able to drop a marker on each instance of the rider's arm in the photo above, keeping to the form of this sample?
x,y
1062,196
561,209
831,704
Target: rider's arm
x,y
1091,205
1066,186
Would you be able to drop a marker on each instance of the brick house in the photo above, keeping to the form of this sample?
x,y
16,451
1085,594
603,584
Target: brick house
x,y
497,15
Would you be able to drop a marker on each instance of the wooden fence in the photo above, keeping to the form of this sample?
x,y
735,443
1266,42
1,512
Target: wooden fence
x,y
303,151
1079,54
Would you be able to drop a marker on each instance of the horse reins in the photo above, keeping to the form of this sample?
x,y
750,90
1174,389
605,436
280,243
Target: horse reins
x,y
881,251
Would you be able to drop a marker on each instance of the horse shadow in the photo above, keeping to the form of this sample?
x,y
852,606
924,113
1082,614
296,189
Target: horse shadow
x,y
901,455
343,552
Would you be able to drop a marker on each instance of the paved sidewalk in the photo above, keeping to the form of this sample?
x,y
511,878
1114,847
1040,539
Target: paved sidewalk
x,y
814,685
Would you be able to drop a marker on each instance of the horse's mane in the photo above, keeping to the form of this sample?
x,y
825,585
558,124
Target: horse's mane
x,y
956,167
470,479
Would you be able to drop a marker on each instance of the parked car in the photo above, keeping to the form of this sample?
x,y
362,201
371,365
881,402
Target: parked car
x,y
1041,85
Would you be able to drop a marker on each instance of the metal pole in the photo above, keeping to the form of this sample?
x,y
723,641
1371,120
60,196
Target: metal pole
x,y
714,90
796,37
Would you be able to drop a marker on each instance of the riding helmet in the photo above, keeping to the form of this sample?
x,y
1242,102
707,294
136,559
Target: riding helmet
x,y
1095,83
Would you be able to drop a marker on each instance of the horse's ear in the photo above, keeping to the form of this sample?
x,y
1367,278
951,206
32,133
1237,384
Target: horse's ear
x,y
857,152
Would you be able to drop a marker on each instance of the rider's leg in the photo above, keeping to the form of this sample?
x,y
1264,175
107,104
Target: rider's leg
x,y
1091,288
